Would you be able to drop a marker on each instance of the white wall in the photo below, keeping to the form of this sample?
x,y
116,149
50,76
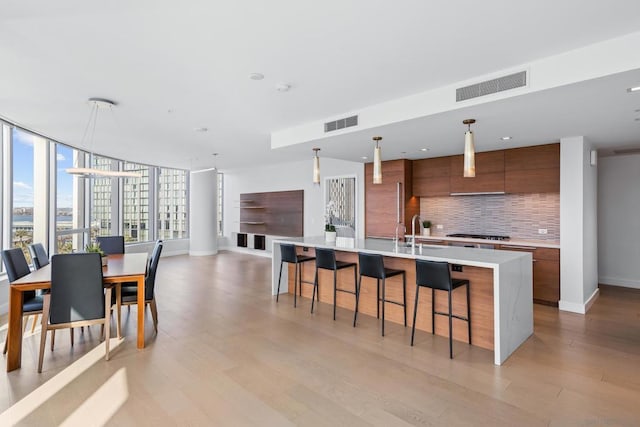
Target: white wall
x,y
619,227
578,225
289,176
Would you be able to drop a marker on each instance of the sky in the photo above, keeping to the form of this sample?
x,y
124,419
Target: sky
x,y
23,171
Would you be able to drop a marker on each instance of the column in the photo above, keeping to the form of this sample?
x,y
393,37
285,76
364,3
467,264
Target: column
x,y
203,201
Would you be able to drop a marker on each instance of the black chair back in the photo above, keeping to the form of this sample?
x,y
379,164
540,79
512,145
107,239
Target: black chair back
x,y
288,253
17,267
150,279
111,245
433,274
371,265
326,258
77,291
38,255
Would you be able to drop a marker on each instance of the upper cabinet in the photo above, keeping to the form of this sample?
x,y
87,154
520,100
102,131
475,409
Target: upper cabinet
x,y
533,169
381,200
490,177
431,177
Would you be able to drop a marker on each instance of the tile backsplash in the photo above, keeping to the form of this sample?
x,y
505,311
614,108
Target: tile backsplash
x,y
519,216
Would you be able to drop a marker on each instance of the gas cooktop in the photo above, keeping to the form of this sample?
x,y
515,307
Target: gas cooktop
x,y
478,236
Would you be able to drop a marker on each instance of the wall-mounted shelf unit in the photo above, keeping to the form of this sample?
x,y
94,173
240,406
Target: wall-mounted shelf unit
x,y
278,213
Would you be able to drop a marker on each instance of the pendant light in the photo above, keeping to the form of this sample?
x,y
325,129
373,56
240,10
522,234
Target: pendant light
x,y
96,105
469,151
377,161
316,167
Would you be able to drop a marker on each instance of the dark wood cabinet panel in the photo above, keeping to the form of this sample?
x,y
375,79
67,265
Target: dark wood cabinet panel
x,y
533,169
279,213
431,177
546,273
489,174
381,199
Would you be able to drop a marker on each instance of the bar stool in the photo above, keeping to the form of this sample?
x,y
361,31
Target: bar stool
x,y
372,265
326,259
436,275
288,254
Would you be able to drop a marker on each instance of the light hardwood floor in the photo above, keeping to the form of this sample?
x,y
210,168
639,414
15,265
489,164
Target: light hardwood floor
x,y
227,354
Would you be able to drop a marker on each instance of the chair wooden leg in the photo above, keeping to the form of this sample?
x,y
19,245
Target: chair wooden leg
x,y
53,338
71,334
43,330
154,313
119,311
35,321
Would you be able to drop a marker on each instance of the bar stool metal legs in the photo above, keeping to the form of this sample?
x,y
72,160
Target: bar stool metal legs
x,y
436,275
326,259
289,255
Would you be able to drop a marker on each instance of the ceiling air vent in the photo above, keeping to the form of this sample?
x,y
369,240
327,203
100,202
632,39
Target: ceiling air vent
x,y
500,84
626,151
341,124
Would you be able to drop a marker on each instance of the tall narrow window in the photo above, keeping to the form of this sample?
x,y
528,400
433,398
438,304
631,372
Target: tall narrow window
x,y
69,212
102,194
172,204
220,199
135,212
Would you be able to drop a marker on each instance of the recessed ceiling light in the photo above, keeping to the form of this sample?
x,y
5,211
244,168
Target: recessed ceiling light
x,y
256,76
634,89
364,157
283,87
203,129
506,138
424,149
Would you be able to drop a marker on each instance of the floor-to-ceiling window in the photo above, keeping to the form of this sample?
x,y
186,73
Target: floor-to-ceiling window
x,y
71,234
135,212
102,194
172,204
220,199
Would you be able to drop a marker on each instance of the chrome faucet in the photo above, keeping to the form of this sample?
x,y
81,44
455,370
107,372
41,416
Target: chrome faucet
x,y
413,229
397,239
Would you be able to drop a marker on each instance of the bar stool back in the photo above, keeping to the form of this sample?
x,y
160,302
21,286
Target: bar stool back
x,y
372,265
288,254
437,276
326,259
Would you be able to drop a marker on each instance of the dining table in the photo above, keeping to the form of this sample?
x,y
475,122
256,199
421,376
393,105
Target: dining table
x,y
118,269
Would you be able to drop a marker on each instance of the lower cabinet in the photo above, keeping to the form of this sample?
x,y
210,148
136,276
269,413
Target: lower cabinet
x,y
546,273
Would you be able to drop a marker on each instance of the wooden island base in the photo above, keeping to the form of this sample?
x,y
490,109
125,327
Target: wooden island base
x,y
481,286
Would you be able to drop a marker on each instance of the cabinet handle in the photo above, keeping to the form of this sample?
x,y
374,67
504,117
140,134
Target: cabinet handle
x,y
529,248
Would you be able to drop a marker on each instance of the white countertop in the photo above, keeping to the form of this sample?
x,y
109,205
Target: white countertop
x,y
510,242
488,258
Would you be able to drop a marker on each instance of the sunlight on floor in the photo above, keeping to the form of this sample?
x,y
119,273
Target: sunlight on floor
x,y
47,390
98,408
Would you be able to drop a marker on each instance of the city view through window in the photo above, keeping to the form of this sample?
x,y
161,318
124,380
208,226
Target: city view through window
x,y
65,212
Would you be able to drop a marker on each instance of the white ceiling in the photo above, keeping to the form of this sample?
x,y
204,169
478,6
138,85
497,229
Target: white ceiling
x,y
175,67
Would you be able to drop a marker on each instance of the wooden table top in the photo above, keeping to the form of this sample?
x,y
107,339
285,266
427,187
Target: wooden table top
x,y
118,267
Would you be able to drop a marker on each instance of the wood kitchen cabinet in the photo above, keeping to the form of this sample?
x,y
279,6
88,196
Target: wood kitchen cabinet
x,y
381,200
546,273
489,174
533,169
431,177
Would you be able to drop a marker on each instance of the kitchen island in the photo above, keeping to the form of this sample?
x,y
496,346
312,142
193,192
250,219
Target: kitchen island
x,y
501,288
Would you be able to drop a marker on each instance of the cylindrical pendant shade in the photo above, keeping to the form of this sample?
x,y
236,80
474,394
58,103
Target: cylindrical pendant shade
x,y
377,166
316,170
469,156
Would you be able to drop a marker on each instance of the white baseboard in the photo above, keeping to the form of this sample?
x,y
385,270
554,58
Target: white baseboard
x,y
616,281
175,253
575,307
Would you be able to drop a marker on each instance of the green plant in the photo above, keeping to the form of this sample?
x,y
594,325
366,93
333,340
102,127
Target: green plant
x,y
94,247
426,224
329,227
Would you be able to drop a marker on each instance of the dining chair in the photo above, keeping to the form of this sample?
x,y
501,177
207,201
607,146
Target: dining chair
x,y
38,255
111,245
77,297
17,267
130,292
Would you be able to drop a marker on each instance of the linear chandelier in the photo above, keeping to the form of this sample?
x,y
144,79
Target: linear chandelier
x,y
96,105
